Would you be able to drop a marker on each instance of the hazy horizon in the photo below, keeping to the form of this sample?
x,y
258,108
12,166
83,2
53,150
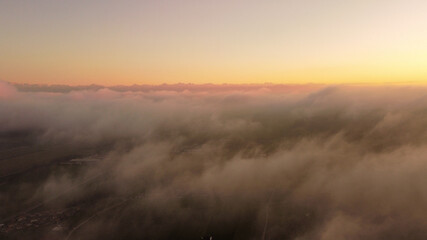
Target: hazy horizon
x,y
213,120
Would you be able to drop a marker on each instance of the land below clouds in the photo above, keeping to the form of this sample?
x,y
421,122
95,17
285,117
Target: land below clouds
x,y
222,161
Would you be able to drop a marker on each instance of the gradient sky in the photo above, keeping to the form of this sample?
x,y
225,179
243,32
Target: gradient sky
x,y
224,41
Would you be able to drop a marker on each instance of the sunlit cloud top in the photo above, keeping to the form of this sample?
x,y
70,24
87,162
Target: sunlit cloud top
x,y
152,42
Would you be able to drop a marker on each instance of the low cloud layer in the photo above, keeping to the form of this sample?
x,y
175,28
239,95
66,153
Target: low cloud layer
x,y
295,162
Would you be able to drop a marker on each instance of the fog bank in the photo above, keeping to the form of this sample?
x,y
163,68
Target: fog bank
x,y
296,162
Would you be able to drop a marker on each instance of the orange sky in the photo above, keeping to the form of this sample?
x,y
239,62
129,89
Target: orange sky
x,y
151,42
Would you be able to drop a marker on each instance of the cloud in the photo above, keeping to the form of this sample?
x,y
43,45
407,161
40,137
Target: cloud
x,y
6,90
339,162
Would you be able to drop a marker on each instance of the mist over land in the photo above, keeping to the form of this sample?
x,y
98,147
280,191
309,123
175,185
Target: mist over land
x,y
232,162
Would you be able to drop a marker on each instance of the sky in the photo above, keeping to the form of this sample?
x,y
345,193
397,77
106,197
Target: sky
x,y
127,42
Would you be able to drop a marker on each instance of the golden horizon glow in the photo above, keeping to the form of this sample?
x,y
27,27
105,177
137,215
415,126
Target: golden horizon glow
x,y
153,42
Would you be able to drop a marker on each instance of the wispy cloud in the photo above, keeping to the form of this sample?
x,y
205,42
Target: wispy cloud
x,y
299,163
